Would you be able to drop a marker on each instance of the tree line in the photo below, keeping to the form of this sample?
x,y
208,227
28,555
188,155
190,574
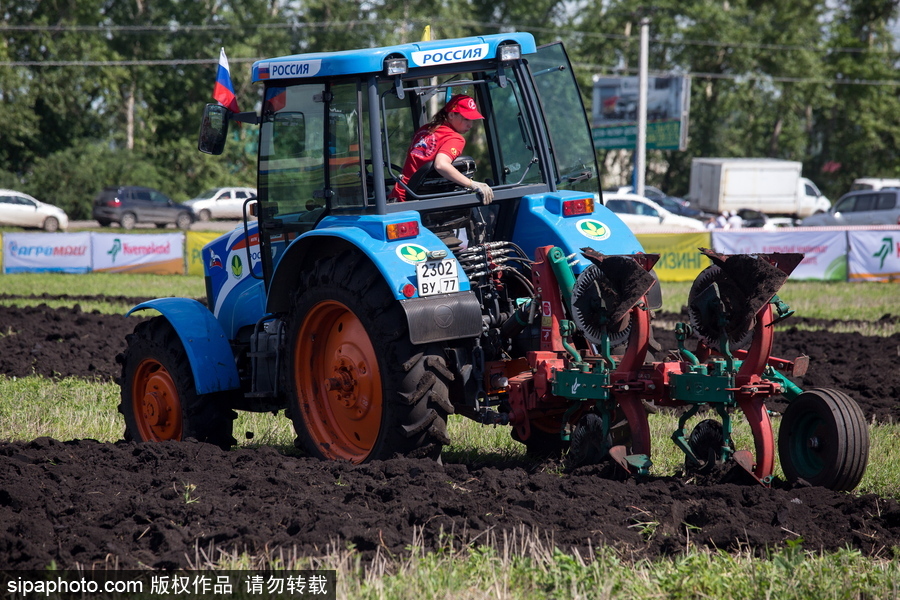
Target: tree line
x,y
107,92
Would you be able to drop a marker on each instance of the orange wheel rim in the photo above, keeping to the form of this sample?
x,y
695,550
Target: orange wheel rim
x,y
339,382
155,402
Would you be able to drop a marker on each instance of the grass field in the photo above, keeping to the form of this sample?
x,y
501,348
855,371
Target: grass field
x,y
522,565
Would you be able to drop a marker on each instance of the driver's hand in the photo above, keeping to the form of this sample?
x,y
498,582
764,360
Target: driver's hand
x,y
487,194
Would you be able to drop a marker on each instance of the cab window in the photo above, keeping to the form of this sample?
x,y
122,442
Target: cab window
x,y
306,127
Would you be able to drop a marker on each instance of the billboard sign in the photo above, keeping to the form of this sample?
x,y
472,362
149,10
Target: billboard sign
x,y
615,106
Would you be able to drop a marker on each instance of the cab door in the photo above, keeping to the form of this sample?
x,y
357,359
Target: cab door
x,y
565,119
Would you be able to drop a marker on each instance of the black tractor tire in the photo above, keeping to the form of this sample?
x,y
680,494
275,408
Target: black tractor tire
x,y
358,389
824,440
159,398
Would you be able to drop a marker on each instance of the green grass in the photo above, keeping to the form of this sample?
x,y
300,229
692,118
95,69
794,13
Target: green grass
x,y
96,284
520,565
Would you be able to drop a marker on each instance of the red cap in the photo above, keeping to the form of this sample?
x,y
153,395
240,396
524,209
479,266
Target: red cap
x,y
463,105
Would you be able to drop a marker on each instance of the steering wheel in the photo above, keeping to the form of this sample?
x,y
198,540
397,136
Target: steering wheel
x,y
370,167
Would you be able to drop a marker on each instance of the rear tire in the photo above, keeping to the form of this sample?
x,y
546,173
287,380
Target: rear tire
x,y
359,390
159,399
824,439
128,221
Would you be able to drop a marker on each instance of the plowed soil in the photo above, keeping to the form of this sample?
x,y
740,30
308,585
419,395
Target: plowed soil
x,y
82,503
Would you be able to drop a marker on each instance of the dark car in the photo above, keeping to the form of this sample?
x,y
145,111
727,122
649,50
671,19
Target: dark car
x,y
861,207
129,205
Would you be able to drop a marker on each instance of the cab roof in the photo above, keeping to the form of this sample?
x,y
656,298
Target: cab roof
x,y
371,60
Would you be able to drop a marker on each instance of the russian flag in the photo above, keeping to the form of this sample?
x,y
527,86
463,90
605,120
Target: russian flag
x,y
224,91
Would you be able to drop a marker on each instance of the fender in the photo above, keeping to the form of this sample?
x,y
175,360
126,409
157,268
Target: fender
x,y
541,222
367,233
204,341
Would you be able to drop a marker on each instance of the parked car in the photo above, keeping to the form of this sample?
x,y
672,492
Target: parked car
x,y
221,203
673,204
23,210
873,183
863,207
129,205
639,212
755,218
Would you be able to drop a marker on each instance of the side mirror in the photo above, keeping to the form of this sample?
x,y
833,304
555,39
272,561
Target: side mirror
x,y
213,129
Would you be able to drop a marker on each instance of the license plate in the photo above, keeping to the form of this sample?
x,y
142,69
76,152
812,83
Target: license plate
x,y
438,277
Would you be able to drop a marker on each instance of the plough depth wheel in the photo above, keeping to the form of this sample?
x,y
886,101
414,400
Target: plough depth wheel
x,y
824,440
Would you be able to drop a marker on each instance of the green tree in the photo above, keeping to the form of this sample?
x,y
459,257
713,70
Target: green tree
x,y
72,177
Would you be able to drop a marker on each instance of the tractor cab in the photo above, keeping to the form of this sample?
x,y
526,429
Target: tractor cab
x,y
335,129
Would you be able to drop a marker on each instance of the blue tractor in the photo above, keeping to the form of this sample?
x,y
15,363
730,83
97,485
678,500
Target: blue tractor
x,y
369,321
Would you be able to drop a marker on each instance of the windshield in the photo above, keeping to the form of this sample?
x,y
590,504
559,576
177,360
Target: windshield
x,y
207,194
502,146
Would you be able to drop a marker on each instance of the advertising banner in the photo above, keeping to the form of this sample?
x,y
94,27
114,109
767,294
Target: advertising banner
x,y
193,249
615,107
874,255
161,253
825,252
44,252
679,259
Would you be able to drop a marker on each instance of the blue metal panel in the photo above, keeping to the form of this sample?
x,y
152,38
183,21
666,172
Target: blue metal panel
x,y
540,223
395,259
237,298
207,347
371,60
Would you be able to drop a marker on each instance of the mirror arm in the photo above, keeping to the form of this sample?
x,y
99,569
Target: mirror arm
x,y
244,117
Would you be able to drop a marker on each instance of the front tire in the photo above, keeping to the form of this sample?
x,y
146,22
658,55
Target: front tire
x,y
824,439
159,399
359,390
51,224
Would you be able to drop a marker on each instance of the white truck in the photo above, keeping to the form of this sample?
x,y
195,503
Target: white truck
x,y
771,186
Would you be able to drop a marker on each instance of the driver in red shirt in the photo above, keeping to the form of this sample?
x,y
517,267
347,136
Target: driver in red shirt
x,y
442,141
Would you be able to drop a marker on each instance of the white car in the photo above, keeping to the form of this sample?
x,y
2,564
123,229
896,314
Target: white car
x,y
642,213
22,210
221,203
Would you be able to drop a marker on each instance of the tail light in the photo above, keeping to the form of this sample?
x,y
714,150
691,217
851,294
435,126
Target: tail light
x,y
399,231
582,206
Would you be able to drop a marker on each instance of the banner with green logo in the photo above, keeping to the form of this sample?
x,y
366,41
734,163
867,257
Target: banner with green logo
x,y
824,252
161,253
874,255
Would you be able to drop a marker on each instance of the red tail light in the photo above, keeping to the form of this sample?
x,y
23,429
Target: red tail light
x,y
399,231
582,206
